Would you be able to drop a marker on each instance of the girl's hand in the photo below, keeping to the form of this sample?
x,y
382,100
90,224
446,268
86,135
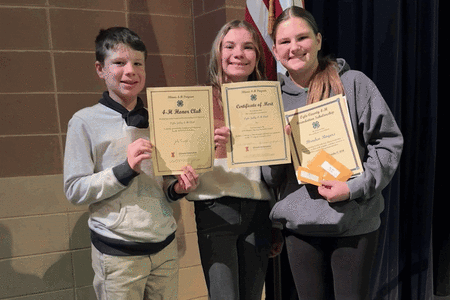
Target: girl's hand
x,y
288,129
334,191
277,242
187,182
138,151
221,136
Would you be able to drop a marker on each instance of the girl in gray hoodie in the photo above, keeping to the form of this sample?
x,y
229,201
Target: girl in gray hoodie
x,y
327,262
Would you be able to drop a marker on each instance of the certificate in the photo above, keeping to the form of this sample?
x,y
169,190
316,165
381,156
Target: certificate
x,y
181,128
255,115
324,125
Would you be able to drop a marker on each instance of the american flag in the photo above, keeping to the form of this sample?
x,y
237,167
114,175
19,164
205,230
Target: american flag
x,y
259,13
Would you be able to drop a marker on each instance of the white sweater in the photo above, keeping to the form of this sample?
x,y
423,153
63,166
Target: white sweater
x,y
237,182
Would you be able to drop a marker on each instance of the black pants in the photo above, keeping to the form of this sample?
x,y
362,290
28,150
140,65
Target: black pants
x,y
332,267
234,241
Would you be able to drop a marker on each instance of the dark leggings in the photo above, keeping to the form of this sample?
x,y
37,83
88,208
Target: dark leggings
x,y
234,241
332,267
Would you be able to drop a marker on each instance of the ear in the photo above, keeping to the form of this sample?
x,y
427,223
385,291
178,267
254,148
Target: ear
x,y
99,69
319,40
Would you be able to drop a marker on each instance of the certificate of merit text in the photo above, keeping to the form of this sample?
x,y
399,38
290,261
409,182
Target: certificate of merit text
x,y
255,115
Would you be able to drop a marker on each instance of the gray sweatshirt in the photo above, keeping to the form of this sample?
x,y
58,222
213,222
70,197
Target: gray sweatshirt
x,y
379,142
97,141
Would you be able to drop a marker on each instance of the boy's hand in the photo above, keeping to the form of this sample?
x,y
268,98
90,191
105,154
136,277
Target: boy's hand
x,y
187,182
334,191
138,151
221,136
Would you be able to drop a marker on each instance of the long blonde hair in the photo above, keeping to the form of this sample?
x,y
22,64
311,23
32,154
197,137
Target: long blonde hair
x,y
326,78
215,71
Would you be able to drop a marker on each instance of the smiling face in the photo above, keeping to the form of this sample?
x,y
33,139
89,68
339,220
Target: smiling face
x,y
124,74
296,47
238,55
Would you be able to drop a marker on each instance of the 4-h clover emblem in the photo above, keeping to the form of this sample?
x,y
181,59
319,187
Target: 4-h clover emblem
x,y
253,97
316,124
180,103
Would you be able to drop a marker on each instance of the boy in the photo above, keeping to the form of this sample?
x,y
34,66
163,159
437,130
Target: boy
x,y
107,165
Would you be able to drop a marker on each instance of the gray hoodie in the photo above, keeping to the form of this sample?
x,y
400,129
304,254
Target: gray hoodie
x,y
379,142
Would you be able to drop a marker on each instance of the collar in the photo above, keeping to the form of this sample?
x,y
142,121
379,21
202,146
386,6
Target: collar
x,y
289,87
137,117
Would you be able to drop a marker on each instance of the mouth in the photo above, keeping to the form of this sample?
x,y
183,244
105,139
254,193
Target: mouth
x,y
238,64
298,56
129,82
129,85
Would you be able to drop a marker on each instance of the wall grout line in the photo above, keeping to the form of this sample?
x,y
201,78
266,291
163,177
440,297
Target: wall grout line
x,y
49,93
127,15
72,261
194,42
30,135
55,85
92,9
87,52
69,251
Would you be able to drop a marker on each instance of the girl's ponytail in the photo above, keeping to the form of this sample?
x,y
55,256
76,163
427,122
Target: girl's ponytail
x,y
324,81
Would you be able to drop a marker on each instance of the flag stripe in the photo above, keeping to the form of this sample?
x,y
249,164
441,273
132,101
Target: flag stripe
x,y
257,14
270,62
260,14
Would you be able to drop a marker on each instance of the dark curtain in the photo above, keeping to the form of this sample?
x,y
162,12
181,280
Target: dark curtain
x,y
441,217
395,43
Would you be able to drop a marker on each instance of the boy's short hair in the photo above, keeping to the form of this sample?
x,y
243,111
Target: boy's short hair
x,y
109,38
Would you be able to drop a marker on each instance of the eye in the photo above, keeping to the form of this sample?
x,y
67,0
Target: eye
x,y
228,45
283,42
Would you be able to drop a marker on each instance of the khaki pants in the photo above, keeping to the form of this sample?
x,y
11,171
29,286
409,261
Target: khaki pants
x,y
149,277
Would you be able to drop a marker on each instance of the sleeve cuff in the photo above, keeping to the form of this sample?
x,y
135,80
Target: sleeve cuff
x,y
174,196
355,191
277,225
124,173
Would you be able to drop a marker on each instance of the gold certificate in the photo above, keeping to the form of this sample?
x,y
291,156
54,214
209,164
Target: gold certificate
x,y
181,128
324,125
255,115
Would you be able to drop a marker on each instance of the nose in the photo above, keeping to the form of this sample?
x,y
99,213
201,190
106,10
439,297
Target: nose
x,y
238,52
129,68
294,46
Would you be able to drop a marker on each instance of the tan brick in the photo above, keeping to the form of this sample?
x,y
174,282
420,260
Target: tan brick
x,y
35,235
33,195
188,250
35,274
82,266
192,283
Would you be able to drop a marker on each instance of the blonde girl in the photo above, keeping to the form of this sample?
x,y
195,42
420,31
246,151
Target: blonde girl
x,y
232,205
